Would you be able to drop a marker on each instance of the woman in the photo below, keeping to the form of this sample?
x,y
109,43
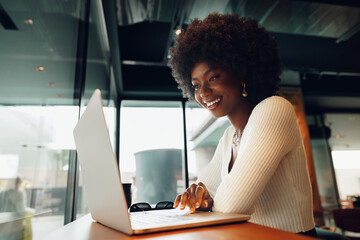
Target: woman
x,y
231,67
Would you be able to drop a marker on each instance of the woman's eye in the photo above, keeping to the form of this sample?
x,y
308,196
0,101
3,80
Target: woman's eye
x,y
195,86
213,78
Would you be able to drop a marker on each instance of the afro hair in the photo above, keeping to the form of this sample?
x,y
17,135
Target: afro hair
x,y
238,45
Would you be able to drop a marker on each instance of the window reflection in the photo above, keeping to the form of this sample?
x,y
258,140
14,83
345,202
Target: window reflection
x,y
98,75
34,153
36,143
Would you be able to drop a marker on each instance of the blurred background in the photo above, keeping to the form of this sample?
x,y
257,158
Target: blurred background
x,y
54,53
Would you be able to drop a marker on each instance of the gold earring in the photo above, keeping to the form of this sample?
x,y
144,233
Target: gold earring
x,y
244,92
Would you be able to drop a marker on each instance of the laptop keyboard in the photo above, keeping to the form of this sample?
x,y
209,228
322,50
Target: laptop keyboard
x,y
144,219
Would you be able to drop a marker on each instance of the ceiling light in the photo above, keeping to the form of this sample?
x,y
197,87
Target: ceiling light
x,y
29,21
178,31
51,84
40,69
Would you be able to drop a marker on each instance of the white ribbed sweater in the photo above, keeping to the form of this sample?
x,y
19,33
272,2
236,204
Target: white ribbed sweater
x,y
269,178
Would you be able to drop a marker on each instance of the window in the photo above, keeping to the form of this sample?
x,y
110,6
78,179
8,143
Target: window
x,y
41,76
98,75
347,169
35,148
203,134
151,149
345,151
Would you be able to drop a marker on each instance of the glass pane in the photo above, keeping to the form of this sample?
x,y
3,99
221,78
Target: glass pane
x,y
151,150
203,134
347,169
98,75
326,183
35,145
37,78
324,174
38,58
345,151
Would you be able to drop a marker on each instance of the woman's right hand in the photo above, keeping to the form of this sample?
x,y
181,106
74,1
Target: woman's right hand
x,y
195,197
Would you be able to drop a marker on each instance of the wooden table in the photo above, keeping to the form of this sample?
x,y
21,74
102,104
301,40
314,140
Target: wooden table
x,y
86,228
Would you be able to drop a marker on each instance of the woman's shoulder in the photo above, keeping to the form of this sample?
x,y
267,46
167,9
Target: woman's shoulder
x,y
274,100
273,109
274,103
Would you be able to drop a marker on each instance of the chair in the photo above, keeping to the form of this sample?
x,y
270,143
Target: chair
x,y
348,220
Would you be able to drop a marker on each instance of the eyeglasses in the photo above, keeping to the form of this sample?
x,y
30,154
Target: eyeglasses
x,y
142,206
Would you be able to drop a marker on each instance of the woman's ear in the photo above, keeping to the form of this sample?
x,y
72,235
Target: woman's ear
x,y
242,75
242,84
241,79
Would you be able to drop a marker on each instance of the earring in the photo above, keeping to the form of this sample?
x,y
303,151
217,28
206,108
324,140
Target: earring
x,y
244,92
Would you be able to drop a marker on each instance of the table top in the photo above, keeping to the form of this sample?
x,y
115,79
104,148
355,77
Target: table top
x,y
86,228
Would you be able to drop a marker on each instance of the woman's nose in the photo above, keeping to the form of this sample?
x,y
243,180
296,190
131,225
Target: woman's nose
x,y
204,91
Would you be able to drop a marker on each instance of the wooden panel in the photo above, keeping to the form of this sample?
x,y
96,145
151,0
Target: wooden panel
x,y
295,97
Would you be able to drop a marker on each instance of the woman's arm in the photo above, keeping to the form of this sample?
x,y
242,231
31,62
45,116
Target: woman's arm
x,y
272,131
200,194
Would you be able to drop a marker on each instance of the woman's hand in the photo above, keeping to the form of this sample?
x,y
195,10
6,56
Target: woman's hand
x,y
195,197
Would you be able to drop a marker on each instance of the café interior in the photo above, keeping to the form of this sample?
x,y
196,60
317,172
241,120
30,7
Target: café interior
x,y
55,53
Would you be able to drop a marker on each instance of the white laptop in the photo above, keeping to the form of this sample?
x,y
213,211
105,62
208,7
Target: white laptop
x,y
103,187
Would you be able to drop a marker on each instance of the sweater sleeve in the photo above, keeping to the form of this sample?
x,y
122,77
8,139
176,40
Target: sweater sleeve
x,y
269,135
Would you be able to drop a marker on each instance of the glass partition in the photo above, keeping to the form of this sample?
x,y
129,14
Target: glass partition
x,y
35,146
325,177
39,107
37,115
98,76
151,149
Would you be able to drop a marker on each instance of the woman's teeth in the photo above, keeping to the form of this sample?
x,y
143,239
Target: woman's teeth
x,y
212,102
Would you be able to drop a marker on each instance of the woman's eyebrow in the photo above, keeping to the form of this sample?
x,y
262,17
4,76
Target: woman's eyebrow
x,y
208,71
205,73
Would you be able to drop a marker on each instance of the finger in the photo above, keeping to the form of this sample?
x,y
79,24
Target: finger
x,y
205,196
207,204
184,200
177,201
199,194
202,185
192,200
192,188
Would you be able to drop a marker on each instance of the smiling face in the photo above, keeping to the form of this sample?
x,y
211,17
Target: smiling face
x,y
217,90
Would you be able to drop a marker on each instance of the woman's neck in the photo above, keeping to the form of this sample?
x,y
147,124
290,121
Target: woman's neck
x,y
240,116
